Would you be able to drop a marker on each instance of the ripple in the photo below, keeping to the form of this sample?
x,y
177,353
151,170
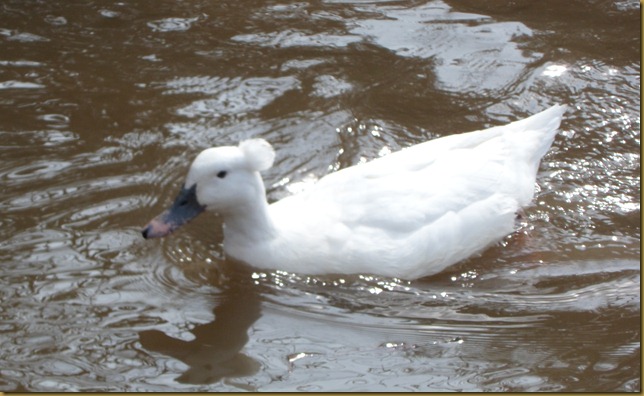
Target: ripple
x,y
419,334
13,84
172,24
26,139
109,13
232,96
66,193
56,20
291,38
327,86
38,170
297,64
20,63
100,211
56,120
23,37
528,298
471,52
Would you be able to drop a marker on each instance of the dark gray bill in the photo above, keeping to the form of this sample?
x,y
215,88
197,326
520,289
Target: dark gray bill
x,y
185,208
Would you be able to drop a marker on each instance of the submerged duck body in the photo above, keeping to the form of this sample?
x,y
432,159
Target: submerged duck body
x,y
407,215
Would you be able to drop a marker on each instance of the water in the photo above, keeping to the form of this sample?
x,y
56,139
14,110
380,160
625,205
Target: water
x,y
103,104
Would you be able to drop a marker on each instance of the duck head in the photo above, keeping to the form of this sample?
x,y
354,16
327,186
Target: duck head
x,y
221,179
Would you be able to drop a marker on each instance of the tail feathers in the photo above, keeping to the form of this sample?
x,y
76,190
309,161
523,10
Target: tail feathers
x,y
538,132
528,141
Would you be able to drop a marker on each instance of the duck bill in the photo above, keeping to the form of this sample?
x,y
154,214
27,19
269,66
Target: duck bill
x,y
185,208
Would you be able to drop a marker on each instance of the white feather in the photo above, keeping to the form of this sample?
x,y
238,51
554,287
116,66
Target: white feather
x,y
259,154
407,215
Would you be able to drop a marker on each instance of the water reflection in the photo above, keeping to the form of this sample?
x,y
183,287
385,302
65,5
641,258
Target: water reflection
x,y
469,52
215,351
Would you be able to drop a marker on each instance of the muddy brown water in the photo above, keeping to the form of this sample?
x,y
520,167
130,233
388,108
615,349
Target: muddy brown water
x,y
103,104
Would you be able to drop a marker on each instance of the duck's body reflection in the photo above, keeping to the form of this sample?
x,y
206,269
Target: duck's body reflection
x,y
214,354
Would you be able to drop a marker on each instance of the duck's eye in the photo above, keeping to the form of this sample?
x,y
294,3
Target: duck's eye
x,y
222,174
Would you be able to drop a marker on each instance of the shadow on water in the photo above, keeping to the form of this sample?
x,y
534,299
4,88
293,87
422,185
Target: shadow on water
x,y
214,353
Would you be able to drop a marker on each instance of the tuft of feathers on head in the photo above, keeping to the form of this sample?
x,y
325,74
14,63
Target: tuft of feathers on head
x,y
259,154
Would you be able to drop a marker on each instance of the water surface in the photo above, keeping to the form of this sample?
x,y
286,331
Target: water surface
x,y
104,104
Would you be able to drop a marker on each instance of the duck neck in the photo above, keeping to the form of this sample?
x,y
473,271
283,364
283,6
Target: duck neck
x,y
249,222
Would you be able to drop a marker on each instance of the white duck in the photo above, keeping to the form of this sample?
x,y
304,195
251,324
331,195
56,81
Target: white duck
x,y
407,215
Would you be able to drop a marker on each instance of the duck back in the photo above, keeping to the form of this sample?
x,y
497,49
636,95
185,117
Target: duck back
x,y
414,212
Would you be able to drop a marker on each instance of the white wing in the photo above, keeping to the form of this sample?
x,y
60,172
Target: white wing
x,y
419,210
